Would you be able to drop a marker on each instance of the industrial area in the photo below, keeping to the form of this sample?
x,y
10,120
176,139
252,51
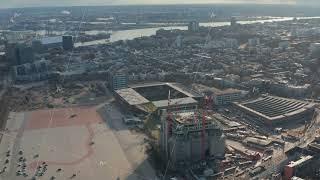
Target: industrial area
x,y
199,101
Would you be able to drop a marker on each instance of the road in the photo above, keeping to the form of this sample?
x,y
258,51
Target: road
x,y
16,147
11,141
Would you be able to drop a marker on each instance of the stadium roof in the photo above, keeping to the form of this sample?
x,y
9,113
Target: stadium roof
x,y
179,101
131,96
273,108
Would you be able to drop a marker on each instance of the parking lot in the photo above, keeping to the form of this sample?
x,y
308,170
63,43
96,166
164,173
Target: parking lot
x,y
69,143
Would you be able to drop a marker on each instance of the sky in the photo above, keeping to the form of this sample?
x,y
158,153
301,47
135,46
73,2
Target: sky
x,y
36,3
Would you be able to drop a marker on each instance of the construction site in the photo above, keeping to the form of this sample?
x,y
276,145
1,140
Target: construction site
x,y
230,142
195,103
196,142
188,137
65,131
193,141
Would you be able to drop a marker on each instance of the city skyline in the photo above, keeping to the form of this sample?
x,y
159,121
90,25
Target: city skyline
x,y
40,3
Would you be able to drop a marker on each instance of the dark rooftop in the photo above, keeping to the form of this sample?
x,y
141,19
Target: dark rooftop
x,y
272,107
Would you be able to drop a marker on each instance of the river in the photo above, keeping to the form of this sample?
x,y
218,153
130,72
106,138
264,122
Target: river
x,y
135,33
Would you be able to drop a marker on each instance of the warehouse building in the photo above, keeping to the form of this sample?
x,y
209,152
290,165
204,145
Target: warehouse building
x,y
274,111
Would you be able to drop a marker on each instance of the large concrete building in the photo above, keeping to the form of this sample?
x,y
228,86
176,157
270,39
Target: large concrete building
x,y
19,53
181,141
65,42
154,96
220,97
233,21
225,97
193,26
274,111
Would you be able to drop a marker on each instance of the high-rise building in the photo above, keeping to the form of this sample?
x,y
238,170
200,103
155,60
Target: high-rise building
x,y
193,26
67,42
233,22
19,54
37,46
118,80
178,41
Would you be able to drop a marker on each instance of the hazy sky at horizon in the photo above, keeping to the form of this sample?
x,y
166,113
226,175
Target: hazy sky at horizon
x,y
35,3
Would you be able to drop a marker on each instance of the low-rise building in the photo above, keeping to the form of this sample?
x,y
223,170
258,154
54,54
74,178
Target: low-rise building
x,y
220,97
293,167
29,72
227,96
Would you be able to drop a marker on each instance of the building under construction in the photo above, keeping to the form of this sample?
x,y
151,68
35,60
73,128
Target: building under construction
x,y
188,137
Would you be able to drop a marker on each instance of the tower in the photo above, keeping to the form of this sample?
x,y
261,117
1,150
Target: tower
x,y
233,21
67,43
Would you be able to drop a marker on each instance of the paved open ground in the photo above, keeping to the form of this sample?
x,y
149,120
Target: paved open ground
x,y
78,141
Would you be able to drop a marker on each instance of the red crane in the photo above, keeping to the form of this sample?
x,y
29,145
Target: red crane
x,y
169,117
207,105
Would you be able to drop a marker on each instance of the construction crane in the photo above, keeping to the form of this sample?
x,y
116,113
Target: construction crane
x,y
207,105
203,131
206,100
169,117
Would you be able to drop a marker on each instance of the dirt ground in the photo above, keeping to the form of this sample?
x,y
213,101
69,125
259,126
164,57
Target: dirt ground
x,y
43,96
76,140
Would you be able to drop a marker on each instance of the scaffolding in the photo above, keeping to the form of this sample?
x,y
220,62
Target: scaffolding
x,y
186,139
